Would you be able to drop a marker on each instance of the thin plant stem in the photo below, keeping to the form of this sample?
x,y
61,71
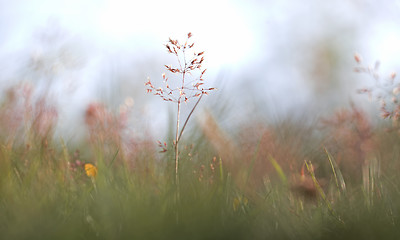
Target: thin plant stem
x,y
170,93
177,144
177,135
190,114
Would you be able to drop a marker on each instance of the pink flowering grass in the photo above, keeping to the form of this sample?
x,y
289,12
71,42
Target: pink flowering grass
x,y
333,178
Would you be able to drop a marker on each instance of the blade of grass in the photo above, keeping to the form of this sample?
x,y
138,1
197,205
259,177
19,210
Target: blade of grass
x,y
278,169
221,171
310,169
65,150
65,155
115,157
340,183
253,160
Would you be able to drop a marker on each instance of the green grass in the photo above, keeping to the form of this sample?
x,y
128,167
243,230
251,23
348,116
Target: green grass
x,y
135,197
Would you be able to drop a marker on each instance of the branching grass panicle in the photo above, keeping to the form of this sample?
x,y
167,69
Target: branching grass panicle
x,y
190,84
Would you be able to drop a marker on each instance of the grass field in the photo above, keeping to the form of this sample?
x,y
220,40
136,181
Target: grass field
x,y
336,179
326,178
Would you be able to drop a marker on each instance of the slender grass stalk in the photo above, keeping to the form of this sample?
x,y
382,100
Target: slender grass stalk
x,y
65,150
115,157
310,170
190,114
253,160
179,134
278,169
339,180
183,90
177,144
221,170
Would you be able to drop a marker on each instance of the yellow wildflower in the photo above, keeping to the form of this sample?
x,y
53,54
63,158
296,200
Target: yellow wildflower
x,y
91,170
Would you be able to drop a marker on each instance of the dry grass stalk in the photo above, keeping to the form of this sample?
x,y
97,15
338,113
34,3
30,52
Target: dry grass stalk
x,y
304,185
385,91
188,86
27,118
220,141
352,138
285,151
109,130
103,126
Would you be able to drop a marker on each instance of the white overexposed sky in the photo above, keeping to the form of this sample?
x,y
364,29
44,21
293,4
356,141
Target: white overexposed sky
x,y
219,26
257,48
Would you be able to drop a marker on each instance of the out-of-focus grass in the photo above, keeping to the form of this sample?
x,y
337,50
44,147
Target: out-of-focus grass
x,y
45,192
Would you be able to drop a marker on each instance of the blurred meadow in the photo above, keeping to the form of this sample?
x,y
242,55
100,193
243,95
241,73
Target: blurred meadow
x,y
280,122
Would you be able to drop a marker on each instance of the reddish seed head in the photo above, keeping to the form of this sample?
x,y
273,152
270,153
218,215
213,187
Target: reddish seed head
x,y
385,114
357,58
172,92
